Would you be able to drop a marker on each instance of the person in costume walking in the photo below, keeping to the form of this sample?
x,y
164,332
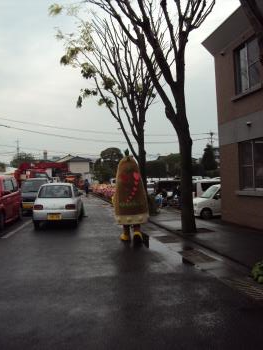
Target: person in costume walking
x,y
130,200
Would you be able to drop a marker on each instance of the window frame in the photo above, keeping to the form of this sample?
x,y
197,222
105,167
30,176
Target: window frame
x,y
253,166
238,76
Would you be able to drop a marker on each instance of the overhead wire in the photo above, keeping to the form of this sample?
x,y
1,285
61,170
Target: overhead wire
x,y
86,130
89,140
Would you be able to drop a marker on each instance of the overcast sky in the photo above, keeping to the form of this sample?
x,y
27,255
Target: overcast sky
x,y
36,89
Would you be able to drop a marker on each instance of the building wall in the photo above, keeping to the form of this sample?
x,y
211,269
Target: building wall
x,y
240,118
79,167
229,105
236,207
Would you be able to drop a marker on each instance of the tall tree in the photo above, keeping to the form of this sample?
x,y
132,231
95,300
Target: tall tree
x,y
254,13
139,19
156,168
106,166
111,156
2,167
208,160
21,158
107,56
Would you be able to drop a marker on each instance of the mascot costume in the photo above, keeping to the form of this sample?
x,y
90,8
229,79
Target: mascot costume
x,y
130,200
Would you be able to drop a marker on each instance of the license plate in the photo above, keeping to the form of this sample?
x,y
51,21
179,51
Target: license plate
x,y
54,216
27,206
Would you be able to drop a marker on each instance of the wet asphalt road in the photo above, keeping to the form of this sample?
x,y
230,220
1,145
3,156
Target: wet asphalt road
x,y
65,288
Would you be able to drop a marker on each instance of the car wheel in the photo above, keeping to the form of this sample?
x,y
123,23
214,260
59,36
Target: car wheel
x,y
2,221
81,212
206,214
36,225
75,222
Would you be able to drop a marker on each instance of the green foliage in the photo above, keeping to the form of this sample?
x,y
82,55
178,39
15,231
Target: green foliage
x,y
107,82
54,9
2,167
103,172
156,168
88,71
112,156
173,162
21,158
106,167
65,60
213,173
257,272
87,92
107,101
208,160
198,170
79,102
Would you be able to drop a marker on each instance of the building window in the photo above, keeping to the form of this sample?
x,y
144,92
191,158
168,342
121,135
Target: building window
x,y
247,66
251,164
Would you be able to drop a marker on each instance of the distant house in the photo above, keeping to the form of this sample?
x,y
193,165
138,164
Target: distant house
x,y
239,89
79,165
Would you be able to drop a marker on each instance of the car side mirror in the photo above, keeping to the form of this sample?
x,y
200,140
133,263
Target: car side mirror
x,y
217,196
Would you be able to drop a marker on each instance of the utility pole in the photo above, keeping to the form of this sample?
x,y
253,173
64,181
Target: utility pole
x,y
211,133
17,148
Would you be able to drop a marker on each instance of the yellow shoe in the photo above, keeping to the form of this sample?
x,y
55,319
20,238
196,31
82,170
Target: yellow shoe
x,y
137,237
125,237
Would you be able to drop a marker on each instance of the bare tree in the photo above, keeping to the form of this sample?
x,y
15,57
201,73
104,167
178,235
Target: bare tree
x,y
105,54
255,17
179,18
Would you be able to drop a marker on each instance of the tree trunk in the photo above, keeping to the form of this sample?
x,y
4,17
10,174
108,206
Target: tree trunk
x,y
187,214
142,163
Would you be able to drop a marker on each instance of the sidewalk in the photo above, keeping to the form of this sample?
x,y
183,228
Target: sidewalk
x,y
237,243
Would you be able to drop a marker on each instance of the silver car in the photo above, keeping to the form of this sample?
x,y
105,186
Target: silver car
x,y
57,202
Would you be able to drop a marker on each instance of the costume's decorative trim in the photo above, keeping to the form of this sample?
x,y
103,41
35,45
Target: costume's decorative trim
x,y
132,219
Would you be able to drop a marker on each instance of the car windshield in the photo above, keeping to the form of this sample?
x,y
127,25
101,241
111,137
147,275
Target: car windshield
x,y
31,186
210,192
41,175
55,191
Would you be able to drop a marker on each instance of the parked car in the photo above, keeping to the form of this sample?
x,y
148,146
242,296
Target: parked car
x,y
200,186
209,204
168,185
150,187
57,202
29,190
10,200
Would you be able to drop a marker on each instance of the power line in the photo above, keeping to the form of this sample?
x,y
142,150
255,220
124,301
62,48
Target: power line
x,y
87,140
86,130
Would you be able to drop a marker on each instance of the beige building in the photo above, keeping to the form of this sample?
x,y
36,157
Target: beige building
x,y
79,165
239,83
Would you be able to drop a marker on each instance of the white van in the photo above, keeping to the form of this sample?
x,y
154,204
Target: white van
x,y
200,186
209,204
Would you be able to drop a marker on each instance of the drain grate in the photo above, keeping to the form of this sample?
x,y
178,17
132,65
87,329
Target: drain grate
x,y
168,239
245,286
194,256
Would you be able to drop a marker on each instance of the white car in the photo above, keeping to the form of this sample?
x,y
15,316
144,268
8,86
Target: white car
x,y
58,202
209,204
